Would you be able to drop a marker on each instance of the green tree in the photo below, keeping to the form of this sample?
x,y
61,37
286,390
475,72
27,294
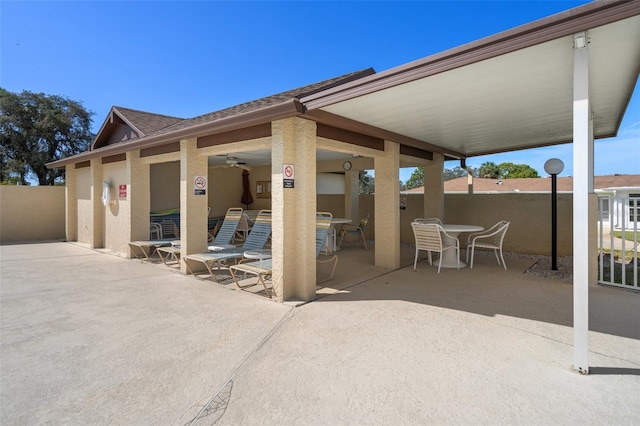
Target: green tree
x,y
456,172
489,170
367,183
36,129
416,179
514,171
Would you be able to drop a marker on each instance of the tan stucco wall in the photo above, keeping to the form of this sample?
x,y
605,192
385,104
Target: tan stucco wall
x,y
529,214
31,213
165,186
117,215
83,192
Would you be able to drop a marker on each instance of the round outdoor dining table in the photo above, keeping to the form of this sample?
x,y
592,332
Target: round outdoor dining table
x,y
449,256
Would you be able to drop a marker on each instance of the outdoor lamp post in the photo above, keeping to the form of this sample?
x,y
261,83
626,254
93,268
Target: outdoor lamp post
x,y
554,167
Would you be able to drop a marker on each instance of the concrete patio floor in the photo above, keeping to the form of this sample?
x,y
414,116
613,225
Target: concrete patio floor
x,y
91,338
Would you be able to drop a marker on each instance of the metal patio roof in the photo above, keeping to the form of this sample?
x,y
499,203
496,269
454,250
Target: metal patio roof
x,y
510,91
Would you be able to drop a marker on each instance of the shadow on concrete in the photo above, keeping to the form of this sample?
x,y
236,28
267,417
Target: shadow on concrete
x,y
487,290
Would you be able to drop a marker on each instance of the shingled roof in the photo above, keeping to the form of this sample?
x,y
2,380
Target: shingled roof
x,y
147,122
268,101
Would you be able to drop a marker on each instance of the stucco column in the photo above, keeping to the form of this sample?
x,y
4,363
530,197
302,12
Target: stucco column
x,y
352,195
193,202
71,203
96,233
293,209
138,196
434,187
387,206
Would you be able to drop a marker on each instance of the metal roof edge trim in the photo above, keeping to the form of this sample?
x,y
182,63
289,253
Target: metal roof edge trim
x,y
285,109
549,28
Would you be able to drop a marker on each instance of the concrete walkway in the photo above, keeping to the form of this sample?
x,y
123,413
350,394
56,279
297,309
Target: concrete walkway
x,y
90,338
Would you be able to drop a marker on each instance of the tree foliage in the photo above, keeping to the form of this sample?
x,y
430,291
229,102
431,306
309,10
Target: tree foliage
x,y
36,129
416,179
455,173
489,170
506,170
514,171
367,183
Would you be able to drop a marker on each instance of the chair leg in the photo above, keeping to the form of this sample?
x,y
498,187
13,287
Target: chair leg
x,y
363,240
440,262
471,264
430,259
415,260
341,237
503,264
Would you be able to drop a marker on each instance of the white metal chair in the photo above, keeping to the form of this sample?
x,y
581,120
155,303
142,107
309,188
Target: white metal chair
x,y
491,239
428,220
428,237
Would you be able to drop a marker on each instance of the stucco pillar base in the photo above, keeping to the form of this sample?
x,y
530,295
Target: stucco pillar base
x,y
96,233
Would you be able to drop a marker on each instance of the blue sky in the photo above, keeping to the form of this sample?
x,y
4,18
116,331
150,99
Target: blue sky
x,y
190,58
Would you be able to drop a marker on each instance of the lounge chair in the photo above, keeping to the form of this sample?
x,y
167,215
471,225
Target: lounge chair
x,y
256,240
263,268
146,249
231,219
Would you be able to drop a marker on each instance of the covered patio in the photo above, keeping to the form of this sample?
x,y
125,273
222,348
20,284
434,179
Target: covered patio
x,y
566,78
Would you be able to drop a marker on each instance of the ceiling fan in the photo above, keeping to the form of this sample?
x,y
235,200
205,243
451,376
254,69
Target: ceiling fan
x,y
233,162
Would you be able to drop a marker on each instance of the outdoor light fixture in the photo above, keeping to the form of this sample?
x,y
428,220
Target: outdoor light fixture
x,y
554,167
579,41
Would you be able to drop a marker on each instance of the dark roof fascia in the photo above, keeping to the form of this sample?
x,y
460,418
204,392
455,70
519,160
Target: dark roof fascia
x,y
566,23
366,129
274,112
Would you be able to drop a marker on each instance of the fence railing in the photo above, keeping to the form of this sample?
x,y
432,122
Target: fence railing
x,y
618,241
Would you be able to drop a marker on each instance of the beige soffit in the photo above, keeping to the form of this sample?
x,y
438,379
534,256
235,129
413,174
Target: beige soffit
x,y
507,92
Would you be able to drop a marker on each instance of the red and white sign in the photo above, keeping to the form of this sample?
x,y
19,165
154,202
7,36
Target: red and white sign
x,y
122,191
288,170
200,182
288,175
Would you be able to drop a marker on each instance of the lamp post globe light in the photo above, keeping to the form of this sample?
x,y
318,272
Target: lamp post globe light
x,y
554,167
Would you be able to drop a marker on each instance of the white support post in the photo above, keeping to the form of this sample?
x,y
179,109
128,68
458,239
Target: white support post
x,y
582,187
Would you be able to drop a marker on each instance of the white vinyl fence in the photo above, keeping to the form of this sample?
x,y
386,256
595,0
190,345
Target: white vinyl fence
x,y
618,241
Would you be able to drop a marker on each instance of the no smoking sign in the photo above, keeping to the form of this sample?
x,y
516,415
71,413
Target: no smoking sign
x,y
288,175
200,185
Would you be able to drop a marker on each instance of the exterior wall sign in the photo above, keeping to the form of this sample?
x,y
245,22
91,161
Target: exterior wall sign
x,y
122,191
200,185
288,175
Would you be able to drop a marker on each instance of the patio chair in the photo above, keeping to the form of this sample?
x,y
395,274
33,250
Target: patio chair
x,y
256,240
354,230
228,228
428,220
146,249
491,239
263,268
428,237
323,223
242,231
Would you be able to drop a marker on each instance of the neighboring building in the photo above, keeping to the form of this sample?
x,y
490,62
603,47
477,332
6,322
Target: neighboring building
x,y
565,184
